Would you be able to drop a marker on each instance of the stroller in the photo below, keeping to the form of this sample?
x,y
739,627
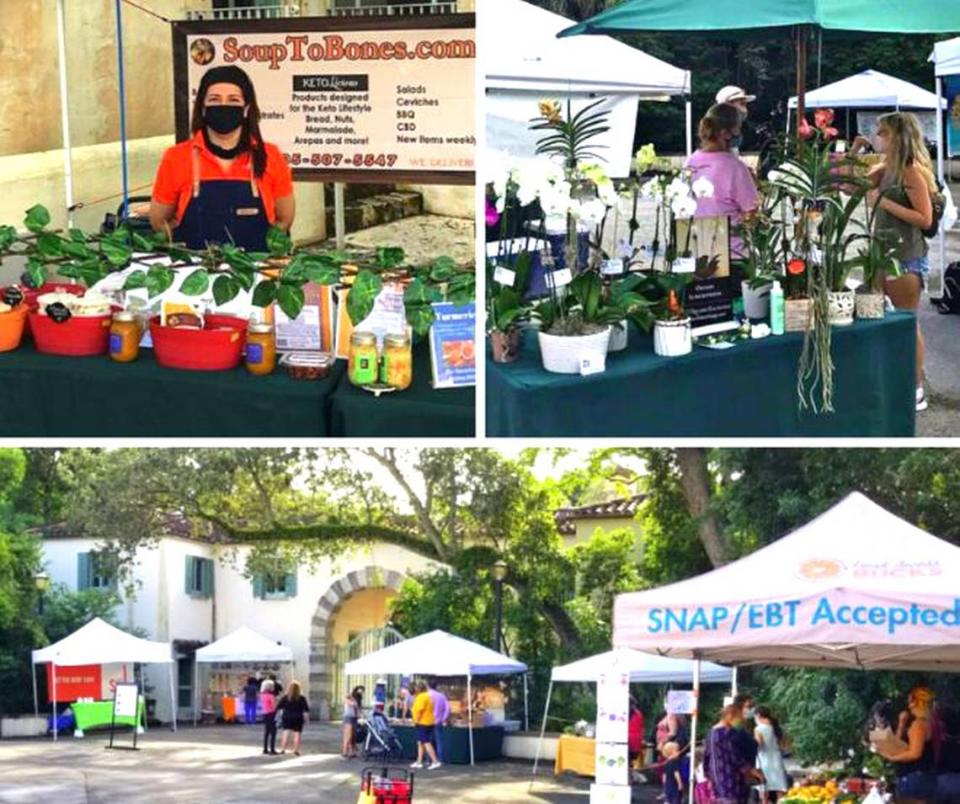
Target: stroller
x,y
378,739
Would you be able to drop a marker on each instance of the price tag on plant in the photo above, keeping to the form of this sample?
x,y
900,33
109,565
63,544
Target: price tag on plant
x,y
684,265
592,363
504,276
611,267
557,279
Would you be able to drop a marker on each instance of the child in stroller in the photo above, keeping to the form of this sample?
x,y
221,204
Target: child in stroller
x,y
377,739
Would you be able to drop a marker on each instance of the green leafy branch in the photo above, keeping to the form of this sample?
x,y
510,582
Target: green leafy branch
x,y
275,276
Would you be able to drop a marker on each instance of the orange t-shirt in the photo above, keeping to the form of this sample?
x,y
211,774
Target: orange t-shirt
x,y
174,182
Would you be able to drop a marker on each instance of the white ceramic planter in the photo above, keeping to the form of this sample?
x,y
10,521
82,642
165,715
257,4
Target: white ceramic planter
x,y
672,338
756,301
561,353
840,306
618,337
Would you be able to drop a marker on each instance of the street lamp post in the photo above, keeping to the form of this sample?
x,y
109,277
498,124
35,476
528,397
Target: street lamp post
x,y
499,573
42,582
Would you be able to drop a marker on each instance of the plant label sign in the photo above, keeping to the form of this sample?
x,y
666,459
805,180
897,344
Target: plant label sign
x,y
611,267
360,99
684,265
504,276
592,363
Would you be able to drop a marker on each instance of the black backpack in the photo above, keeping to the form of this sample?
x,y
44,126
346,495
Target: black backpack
x,y
949,301
939,203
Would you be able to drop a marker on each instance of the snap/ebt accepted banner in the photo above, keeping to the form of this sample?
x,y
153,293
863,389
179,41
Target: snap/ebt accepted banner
x,y
365,99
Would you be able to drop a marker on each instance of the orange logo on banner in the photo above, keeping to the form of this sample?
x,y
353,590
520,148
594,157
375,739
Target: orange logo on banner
x,y
816,569
83,681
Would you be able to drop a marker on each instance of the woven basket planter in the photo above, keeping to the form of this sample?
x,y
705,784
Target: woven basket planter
x,y
798,315
870,305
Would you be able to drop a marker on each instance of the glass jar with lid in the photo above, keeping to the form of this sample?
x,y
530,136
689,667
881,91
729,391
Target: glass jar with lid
x,y
363,365
397,368
261,349
124,338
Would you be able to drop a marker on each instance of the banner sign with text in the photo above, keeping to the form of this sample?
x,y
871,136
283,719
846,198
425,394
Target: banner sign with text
x,y
348,99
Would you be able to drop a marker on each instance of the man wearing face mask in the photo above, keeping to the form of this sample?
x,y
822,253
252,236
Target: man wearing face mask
x,y
737,97
747,746
224,184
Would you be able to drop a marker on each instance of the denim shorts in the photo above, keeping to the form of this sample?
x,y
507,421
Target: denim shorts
x,y
918,265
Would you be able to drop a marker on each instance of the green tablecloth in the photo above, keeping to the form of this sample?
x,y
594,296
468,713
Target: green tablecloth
x,y
421,410
44,395
749,390
94,714
487,743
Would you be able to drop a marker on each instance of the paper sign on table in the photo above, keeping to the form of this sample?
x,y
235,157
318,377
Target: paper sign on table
x,y
453,345
312,330
612,764
681,702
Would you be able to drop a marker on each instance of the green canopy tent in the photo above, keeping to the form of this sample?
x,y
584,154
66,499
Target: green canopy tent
x,y
797,16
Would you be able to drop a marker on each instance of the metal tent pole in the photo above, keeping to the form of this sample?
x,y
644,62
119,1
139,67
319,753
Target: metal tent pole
x,y
689,127
33,673
526,704
470,714
801,48
173,696
196,689
940,144
123,109
693,727
65,113
733,682
543,729
53,669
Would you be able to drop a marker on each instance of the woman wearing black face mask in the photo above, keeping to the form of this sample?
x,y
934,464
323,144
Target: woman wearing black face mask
x,y
224,184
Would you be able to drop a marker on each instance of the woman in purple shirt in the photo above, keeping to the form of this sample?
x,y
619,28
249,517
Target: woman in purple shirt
x,y
734,190
730,772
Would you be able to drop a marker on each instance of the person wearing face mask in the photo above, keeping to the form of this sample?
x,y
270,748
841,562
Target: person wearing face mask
x,y
224,184
735,96
746,711
904,189
916,766
734,190
729,772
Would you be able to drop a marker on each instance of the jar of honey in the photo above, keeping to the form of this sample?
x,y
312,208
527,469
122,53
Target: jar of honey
x,y
124,338
397,367
362,367
261,349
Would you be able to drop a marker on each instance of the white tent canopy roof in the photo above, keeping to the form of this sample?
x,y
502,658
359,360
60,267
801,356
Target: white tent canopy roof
x,y
644,668
870,89
946,57
856,587
244,645
98,642
435,654
531,58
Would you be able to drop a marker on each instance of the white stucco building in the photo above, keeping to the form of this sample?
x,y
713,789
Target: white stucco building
x,y
192,592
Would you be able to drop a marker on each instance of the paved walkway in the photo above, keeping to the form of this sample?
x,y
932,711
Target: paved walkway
x,y
224,764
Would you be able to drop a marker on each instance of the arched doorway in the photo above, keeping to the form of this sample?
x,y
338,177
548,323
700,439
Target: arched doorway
x,y
362,598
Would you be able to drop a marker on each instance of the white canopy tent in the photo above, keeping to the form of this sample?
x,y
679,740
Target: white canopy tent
x,y
856,587
98,642
644,668
870,89
240,646
438,653
532,64
946,62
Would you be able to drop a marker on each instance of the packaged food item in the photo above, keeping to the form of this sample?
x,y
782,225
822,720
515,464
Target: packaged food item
x,y
363,363
89,305
397,367
307,365
261,349
180,314
125,336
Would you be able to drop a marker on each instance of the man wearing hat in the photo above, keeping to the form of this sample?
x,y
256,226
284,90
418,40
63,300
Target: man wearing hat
x,y
736,96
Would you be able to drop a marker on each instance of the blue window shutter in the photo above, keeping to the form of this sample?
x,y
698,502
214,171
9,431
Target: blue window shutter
x,y
83,571
291,584
207,577
258,585
188,577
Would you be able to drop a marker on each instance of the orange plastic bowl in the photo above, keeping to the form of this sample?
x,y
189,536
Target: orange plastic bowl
x,y
216,347
11,328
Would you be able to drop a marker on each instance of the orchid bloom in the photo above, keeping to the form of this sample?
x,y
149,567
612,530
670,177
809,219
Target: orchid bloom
x,y
806,130
492,216
703,188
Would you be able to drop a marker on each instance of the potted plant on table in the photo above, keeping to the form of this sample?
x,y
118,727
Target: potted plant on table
x,y
764,242
506,308
878,260
672,332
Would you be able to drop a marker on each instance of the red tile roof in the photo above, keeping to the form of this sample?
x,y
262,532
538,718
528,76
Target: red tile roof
x,y
622,508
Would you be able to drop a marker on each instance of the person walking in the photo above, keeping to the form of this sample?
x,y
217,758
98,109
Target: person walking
x,y
769,736
352,708
268,702
441,714
423,723
250,692
635,730
904,186
294,712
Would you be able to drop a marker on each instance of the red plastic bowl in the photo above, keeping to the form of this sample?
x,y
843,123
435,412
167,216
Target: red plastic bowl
x,y
80,336
216,347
